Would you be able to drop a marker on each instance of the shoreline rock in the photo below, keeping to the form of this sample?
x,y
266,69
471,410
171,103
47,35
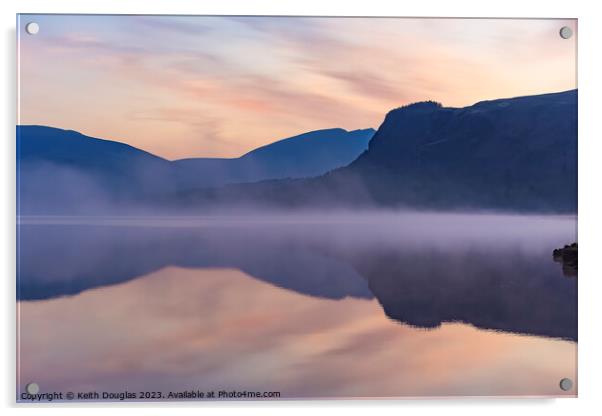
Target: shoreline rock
x,y
568,257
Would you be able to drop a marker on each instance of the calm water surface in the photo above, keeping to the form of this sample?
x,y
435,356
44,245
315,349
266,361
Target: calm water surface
x,y
346,305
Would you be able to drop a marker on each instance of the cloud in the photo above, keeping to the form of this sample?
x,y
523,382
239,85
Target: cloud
x,y
157,26
369,84
205,131
91,44
263,78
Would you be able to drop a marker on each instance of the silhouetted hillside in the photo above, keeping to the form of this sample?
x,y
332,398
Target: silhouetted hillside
x,y
63,171
509,154
517,154
306,155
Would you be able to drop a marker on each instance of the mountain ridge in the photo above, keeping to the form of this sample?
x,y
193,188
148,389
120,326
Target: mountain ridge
x,y
305,155
59,169
517,154
520,151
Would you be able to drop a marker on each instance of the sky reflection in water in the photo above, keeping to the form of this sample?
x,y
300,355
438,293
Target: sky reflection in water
x,y
170,308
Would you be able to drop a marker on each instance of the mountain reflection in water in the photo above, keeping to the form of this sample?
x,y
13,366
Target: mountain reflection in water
x,y
426,271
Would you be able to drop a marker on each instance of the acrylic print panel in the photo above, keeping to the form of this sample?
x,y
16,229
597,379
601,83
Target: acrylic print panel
x,y
266,208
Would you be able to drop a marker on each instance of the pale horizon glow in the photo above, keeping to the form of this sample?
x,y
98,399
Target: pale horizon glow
x,y
197,86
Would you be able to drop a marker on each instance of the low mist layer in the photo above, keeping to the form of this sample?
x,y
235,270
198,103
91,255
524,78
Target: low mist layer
x,y
492,271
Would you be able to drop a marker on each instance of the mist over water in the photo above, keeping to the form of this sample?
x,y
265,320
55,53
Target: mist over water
x,y
422,271
350,231
334,263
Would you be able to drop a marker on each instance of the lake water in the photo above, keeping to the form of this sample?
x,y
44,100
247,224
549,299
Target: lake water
x,y
335,305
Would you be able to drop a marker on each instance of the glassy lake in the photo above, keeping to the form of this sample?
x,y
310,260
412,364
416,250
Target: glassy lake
x,y
336,305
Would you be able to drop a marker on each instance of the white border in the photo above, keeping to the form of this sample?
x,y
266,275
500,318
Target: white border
x,y
590,202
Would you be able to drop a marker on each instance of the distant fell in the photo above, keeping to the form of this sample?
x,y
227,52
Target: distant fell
x,y
306,155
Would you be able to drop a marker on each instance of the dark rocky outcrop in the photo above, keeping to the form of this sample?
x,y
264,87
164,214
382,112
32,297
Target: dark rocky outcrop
x,y
512,154
568,257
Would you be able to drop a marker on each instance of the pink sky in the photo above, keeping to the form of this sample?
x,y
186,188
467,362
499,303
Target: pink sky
x,y
221,86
